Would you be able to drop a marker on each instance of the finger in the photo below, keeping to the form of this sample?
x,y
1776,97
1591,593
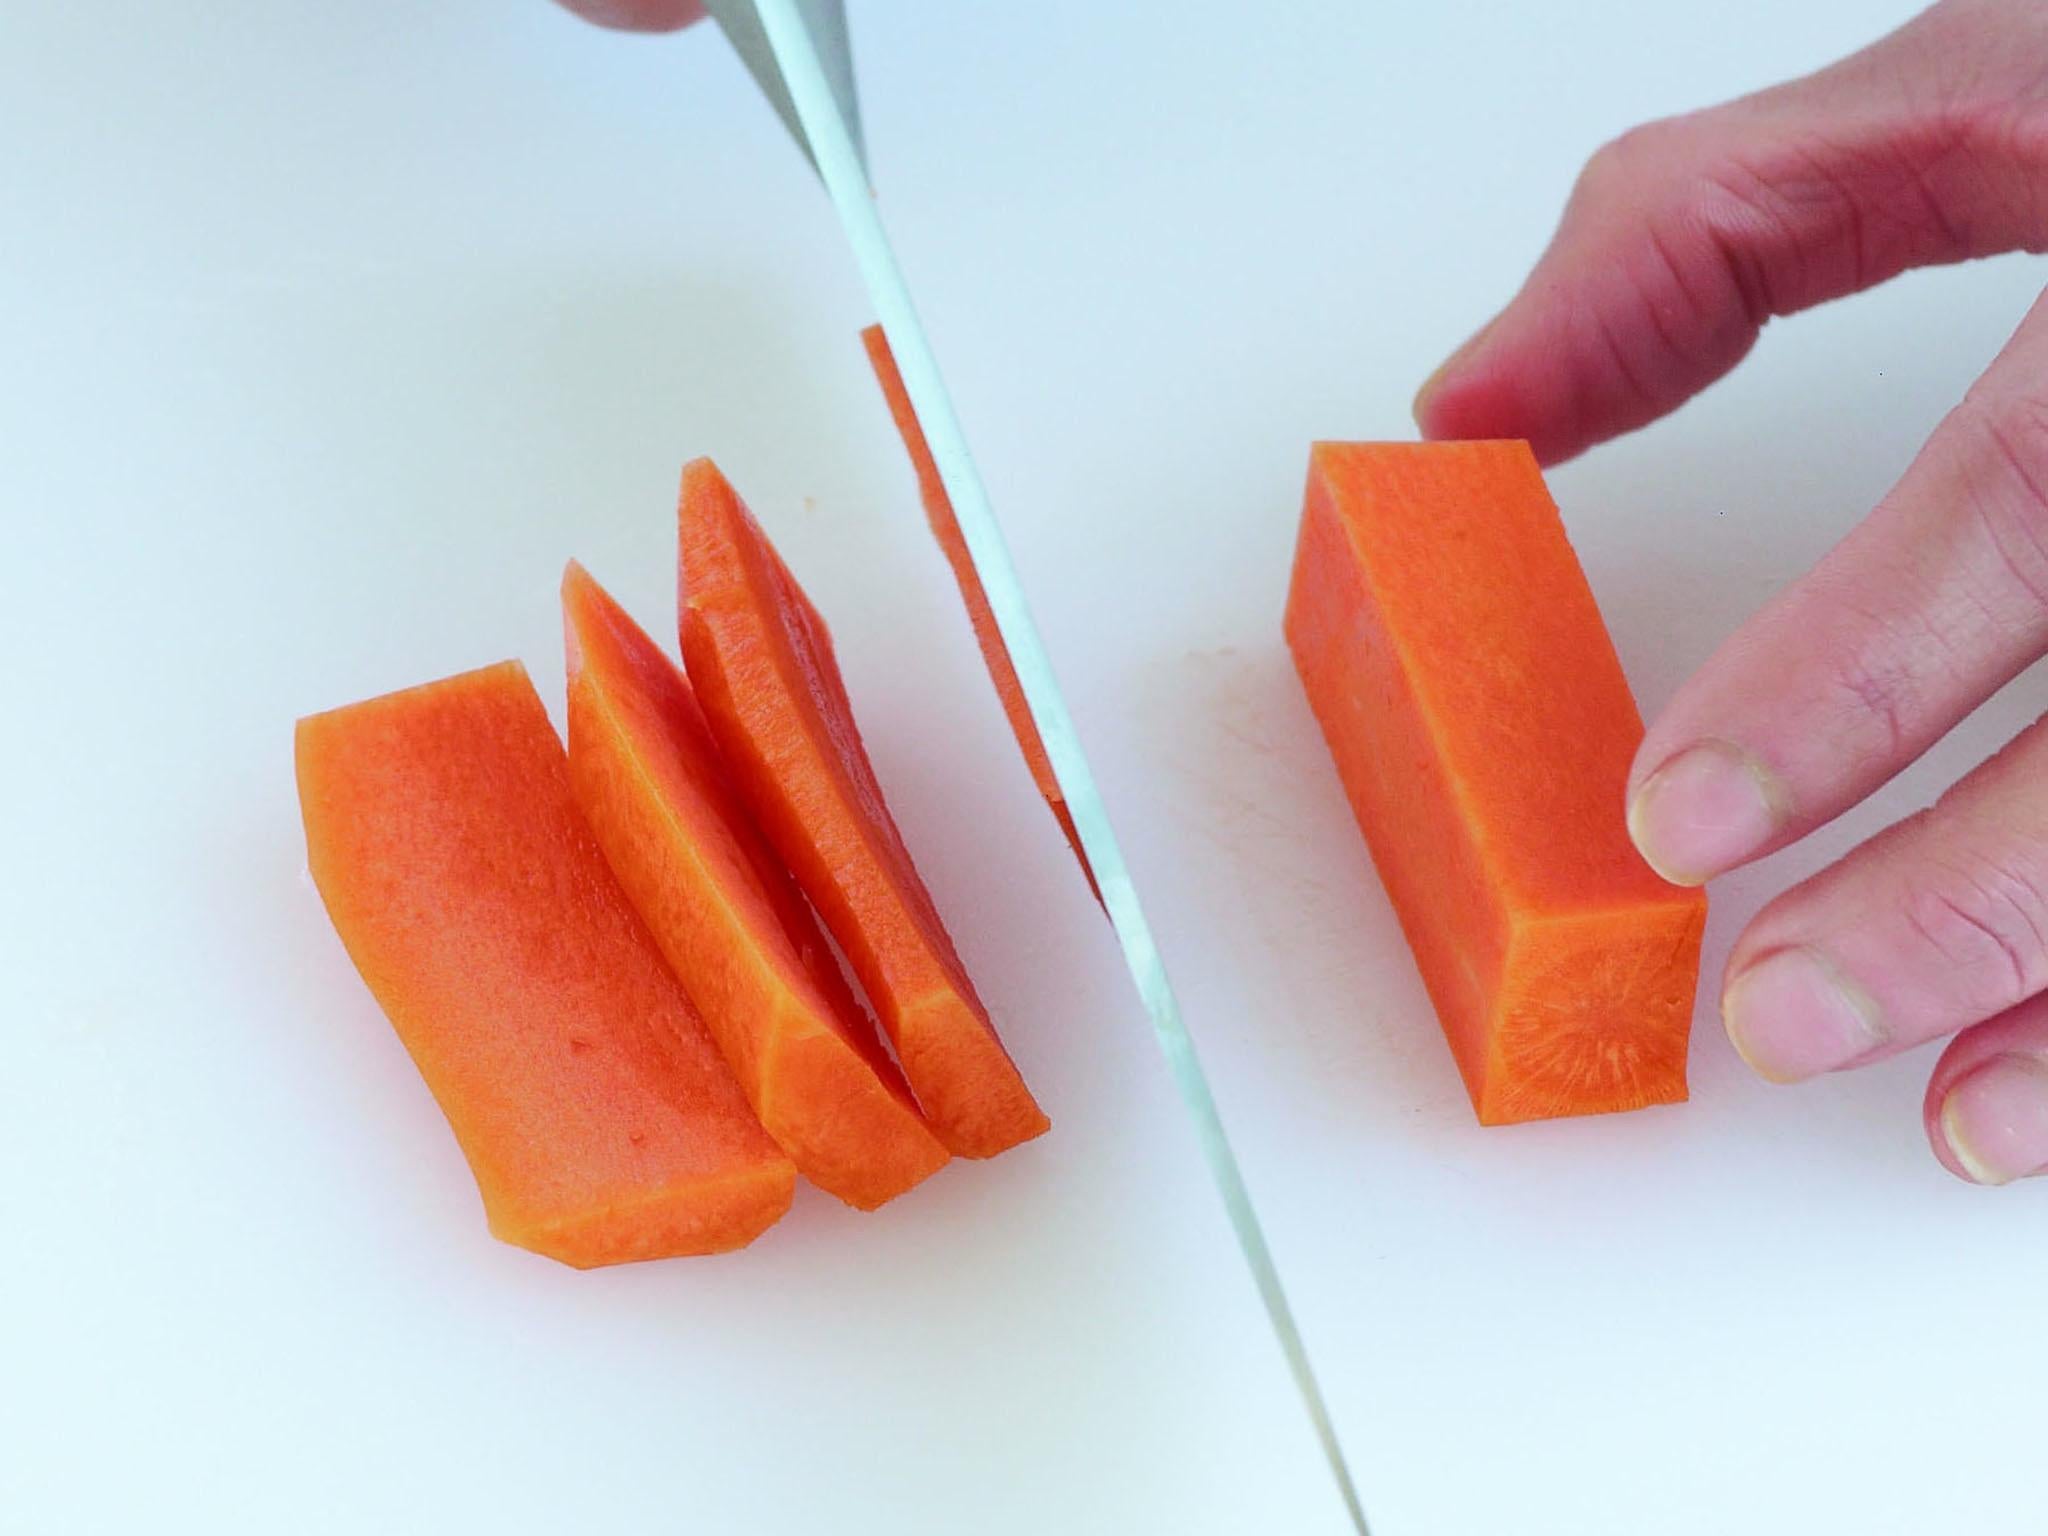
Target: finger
x,y
1939,598
1683,237
1939,923
1987,1103
639,15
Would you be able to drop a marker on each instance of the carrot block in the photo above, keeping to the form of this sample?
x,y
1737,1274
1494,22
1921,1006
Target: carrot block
x,y
938,511
598,1117
1483,729
727,915
762,663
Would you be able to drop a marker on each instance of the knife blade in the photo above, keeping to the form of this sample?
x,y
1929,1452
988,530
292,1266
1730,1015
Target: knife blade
x,y
824,22
799,53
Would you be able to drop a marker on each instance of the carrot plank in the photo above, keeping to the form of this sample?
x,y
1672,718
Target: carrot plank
x,y
1481,724
938,511
726,914
761,661
597,1115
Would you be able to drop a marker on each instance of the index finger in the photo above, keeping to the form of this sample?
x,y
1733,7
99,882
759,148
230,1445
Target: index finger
x,y
639,15
1684,236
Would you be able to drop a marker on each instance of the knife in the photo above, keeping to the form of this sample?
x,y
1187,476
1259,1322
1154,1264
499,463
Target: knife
x,y
800,55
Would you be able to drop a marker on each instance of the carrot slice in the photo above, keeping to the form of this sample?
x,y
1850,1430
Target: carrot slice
x,y
597,1115
727,915
1471,697
764,671
938,511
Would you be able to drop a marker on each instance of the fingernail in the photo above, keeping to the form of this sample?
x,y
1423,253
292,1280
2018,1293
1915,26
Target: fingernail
x,y
1443,369
1791,1015
1704,811
1996,1119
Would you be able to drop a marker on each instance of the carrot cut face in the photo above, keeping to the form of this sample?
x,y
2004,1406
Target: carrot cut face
x,y
726,914
598,1117
938,511
1479,718
763,667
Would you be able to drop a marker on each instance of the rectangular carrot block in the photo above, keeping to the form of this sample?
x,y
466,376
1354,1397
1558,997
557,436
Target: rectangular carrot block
x,y
1483,729
596,1112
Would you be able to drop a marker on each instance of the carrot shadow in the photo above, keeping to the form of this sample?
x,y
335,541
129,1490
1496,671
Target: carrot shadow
x,y
1310,998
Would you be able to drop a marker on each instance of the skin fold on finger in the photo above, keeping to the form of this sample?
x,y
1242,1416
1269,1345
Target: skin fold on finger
x,y
1986,1110
1938,599
1685,236
1939,923
639,15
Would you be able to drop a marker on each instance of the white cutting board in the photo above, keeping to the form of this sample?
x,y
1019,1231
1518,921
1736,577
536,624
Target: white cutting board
x,y
328,332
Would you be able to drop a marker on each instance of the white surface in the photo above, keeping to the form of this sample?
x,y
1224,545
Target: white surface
x,y
330,332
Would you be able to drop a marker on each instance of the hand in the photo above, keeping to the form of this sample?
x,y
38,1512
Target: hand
x,y
1681,239
639,15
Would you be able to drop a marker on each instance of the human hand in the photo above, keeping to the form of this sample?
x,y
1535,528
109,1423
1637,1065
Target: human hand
x,y
639,15
1681,239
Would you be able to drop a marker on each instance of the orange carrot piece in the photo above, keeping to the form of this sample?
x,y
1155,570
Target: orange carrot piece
x,y
762,663
938,511
1471,697
727,915
597,1115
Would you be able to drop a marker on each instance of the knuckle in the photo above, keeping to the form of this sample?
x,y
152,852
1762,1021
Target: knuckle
x,y
1882,670
1683,179
2018,128
1984,918
1746,228
1676,298
2011,428
2005,440
1624,167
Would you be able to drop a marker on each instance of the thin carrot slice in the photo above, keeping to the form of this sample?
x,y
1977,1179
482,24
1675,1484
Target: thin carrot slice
x,y
1479,718
938,511
597,1115
727,915
762,663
